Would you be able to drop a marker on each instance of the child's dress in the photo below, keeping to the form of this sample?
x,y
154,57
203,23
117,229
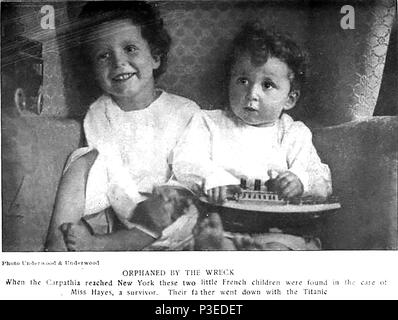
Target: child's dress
x,y
218,149
135,148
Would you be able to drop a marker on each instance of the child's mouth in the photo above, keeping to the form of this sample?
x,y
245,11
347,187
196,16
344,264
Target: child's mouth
x,y
250,109
251,106
123,76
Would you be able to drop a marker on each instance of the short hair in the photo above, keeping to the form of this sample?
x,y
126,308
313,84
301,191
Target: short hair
x,y
262,43
140,13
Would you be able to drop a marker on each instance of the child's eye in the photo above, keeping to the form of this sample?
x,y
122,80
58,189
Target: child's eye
x,y
131,49
268,85
103,56
242,81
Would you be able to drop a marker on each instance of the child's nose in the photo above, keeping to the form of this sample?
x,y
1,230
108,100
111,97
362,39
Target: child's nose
x,y
253,92
119,59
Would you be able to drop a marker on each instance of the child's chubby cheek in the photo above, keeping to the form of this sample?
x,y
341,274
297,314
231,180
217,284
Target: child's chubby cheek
x,y
108,84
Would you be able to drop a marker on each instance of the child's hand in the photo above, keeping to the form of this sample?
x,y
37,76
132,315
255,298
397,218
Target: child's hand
x,y
158,213
164,207
289,185
220,194
174,201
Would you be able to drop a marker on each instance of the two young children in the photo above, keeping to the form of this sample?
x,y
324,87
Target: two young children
x,y
139,136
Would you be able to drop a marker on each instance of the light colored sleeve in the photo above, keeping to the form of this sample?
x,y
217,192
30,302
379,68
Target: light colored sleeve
x,y
303,160
192,157
108,173
97,127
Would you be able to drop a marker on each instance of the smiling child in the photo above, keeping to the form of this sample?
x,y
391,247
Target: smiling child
x,y
131,131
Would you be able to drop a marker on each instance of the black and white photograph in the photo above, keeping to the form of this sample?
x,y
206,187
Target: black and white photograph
x,y
139,129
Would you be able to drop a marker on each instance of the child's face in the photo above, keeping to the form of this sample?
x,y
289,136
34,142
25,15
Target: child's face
x,y
259,94
122,60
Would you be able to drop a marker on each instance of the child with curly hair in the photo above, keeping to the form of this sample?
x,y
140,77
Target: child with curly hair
x,y
254,138
131,131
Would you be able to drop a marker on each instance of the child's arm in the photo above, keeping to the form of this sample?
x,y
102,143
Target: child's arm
x,y
70,200
303,161
192,158
150,218
145,227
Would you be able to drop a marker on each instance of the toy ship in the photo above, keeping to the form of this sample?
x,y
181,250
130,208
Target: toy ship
x,y
262,197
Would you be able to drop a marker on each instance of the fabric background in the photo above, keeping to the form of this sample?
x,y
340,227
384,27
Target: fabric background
x,y
346,70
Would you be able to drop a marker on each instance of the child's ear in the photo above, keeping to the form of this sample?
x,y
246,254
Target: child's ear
x,y
292,99
156,59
